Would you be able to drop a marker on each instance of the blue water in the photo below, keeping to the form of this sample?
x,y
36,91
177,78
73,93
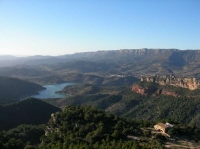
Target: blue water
x,y
51,90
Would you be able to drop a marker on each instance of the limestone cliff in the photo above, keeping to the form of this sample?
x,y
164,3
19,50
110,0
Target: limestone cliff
x,y
148,90
164,92
140,90
190,83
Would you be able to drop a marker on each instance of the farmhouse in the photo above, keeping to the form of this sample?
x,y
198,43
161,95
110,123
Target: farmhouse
x,y
162,127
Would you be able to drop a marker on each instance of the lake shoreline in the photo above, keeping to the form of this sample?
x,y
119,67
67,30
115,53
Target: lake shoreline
x,y
51,91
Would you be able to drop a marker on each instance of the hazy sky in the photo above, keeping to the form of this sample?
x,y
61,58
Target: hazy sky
x,y
56,27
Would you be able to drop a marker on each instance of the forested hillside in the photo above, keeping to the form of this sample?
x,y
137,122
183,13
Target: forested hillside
x,y
29,111
126,103
83,127
22,136
105,81
12,89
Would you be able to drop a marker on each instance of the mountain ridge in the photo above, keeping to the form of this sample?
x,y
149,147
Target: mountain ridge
x,y
12,89
28,111
99,55
127,61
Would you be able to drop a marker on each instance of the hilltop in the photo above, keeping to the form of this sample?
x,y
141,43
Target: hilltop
x,y
86,127
29,111
12,89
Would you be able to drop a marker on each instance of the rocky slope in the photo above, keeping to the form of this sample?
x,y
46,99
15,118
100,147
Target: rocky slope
x,y
147,91
140,90
184,82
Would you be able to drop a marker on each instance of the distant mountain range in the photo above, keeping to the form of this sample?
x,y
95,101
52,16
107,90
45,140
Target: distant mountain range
x,y
122,54
127,61
107,80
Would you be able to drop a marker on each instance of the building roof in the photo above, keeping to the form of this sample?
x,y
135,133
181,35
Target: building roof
x,y
162,125
170,125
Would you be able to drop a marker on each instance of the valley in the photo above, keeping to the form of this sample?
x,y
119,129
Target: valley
x,y
124,91
109,74
51,91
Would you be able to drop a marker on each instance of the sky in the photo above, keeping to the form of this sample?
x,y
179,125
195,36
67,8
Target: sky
x,y
58,27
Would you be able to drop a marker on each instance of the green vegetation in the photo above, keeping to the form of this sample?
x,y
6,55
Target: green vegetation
x,y
85,127
181,92
78,127
22,71
81,89
23,136
126,103
178,109
108,75
29,111
86,94
11,89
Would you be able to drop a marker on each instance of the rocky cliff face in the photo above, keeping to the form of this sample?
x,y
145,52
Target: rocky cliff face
x,y
190,83
164,92
146,91
140,90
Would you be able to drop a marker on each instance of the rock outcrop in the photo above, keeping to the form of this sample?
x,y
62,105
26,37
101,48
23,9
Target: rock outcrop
x,y
190,83
147,91
164,92
140,90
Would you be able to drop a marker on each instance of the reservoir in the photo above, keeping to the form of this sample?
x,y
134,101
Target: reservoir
x,y
51,90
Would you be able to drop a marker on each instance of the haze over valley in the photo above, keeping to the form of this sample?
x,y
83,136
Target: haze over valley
x,y
150,85
99,74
